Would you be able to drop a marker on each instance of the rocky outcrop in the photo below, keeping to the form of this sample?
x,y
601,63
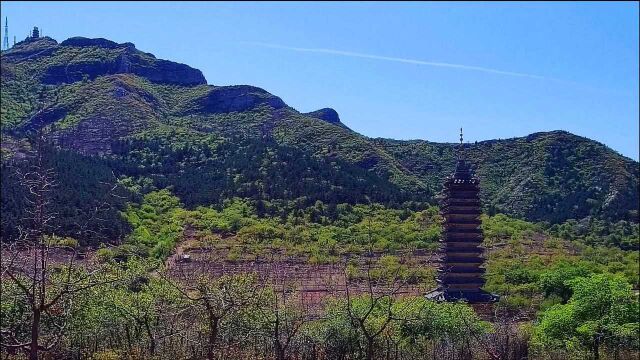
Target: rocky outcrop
x,y
30,49
159,71
237,98
165,72
93,136
67,66
80,41
128,60
77,71
328,115
44,117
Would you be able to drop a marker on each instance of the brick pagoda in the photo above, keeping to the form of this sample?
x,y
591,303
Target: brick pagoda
x,y
460,276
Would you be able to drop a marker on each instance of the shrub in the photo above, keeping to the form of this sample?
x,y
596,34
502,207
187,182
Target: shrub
x,y
555,280
105,255
234,254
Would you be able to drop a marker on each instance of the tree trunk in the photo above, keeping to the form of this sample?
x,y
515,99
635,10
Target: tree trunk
x,y
369,349
152,340
279,349
277,345
128,333
35,334
213,334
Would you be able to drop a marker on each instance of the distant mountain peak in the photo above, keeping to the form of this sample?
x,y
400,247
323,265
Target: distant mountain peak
x,y
328,115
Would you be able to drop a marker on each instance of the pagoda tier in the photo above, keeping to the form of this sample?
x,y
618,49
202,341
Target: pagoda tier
x,y
461,275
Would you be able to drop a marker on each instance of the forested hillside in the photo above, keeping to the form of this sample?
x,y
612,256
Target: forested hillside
x,y
116,115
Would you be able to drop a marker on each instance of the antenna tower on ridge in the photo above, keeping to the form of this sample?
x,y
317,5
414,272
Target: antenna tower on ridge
x,y
5,42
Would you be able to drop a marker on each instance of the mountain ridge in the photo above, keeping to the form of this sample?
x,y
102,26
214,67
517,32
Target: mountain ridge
x,y
102,99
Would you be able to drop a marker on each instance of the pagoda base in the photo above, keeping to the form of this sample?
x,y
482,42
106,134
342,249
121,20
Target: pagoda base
x,y
471,297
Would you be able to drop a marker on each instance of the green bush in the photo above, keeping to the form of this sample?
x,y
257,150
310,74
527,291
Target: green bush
x,y
602,313
555,281
105,255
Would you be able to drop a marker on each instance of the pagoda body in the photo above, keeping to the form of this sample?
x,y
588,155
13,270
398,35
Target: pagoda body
x,y
460,276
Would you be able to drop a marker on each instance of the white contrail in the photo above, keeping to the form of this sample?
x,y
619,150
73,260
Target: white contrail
x,y
400,60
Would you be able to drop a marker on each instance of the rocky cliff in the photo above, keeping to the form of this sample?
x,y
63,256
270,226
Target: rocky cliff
x,y
79,58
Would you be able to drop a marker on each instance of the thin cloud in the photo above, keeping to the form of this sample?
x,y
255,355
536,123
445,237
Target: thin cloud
x,y
441,65
401,60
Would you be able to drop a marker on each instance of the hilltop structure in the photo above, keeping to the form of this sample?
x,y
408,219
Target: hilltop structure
x,y
460,276
33,35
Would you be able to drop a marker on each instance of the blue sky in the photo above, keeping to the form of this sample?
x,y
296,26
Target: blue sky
x,y
397,70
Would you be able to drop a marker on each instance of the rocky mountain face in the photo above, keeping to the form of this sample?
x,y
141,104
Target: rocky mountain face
x,y
158,121
81,58
327,114
238,98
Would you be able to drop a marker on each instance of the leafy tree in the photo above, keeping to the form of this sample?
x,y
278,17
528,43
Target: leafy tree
x,y
424,320
602,312
556,281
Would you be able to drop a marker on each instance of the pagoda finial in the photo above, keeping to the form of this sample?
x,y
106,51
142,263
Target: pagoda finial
x,y
461,147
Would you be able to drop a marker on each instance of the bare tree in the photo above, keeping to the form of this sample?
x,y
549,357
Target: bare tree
x,y
214,298
506,342
286,313
27,266
380,297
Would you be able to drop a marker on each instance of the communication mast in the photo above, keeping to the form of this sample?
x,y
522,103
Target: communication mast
x,y
5,42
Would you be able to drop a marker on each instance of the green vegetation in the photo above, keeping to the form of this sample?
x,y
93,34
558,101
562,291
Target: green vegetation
x,y
155,223
591,231
551,177
209,144
139,313
365,324
530,266
577,296
136,309
601,314
86,202
320,232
